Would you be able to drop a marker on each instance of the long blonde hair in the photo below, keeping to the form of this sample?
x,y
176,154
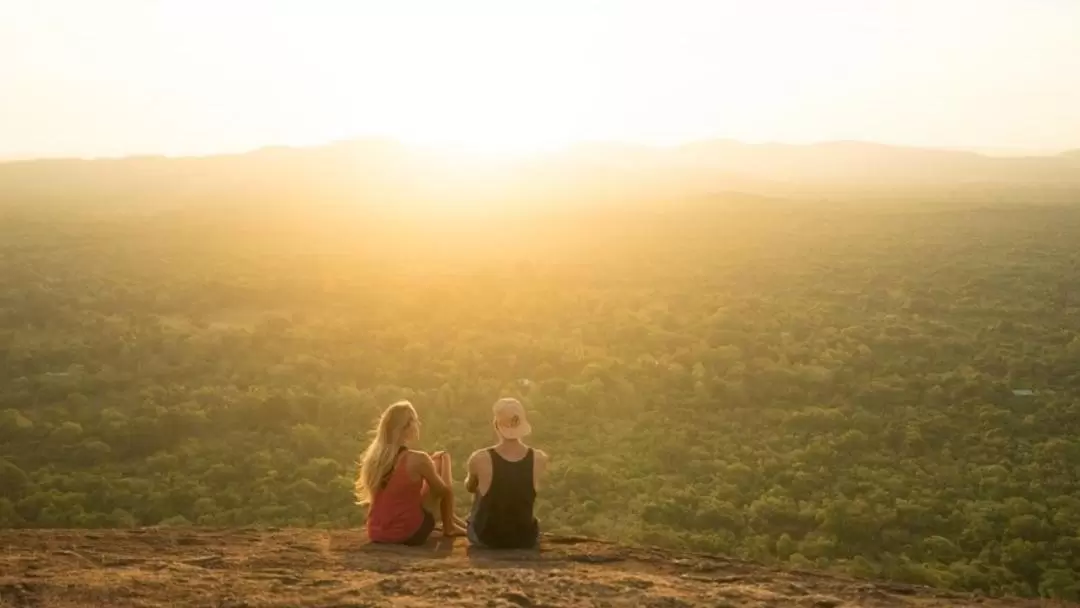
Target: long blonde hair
x,y
381,454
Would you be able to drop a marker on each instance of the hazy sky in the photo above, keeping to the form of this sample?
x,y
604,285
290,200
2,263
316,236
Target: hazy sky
x,y
113,77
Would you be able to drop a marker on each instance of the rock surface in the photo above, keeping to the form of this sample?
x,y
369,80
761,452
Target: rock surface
x,y
247,567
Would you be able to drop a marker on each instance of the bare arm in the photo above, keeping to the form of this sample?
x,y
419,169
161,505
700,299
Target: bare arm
x,y
472,482
540,464
425,467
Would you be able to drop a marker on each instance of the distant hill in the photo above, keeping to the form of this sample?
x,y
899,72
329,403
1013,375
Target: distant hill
x,y
180,567
853,163
385,174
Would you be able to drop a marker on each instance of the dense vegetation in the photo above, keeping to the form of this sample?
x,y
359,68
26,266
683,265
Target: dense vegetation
x,y
811,385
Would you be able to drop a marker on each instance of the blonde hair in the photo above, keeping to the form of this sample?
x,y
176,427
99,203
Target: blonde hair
x,y
381,454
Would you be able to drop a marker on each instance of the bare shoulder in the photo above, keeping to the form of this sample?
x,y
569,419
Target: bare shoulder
x,y
541,455
418,457
476,457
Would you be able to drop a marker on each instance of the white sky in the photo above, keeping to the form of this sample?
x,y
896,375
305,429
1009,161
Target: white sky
x,y
114,77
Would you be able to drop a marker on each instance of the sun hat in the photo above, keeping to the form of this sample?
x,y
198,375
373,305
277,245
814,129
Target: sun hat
x,y
510,421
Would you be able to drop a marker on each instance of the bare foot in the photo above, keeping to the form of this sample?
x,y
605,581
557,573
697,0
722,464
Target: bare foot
x,y
458,523
455,530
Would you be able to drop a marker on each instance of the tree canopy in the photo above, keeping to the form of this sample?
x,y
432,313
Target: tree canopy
x,y
888,390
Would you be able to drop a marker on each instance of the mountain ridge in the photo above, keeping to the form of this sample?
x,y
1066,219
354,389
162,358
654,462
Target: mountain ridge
x,y
389,143
385,174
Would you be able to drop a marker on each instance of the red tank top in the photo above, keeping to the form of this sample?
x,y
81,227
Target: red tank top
x,y
396,512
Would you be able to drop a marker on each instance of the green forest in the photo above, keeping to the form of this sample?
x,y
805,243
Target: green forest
x,y
887,390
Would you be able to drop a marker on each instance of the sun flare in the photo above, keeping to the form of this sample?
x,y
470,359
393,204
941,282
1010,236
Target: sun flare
x,y
122,77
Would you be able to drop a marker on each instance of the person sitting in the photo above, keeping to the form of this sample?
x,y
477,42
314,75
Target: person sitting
x,y
504,480
402,487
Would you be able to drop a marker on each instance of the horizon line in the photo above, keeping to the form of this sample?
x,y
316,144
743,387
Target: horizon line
x,y
1004,152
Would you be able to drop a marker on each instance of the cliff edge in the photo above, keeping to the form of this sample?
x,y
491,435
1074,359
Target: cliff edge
x,y
180,567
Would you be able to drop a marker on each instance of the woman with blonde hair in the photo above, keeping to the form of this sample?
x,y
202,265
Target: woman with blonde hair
x,y
403,487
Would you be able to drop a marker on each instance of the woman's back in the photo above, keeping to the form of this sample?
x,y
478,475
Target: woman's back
x,y
396,510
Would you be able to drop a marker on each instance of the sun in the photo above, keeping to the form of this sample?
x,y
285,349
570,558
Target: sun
x,y
482,139
480,147
478,122
478,87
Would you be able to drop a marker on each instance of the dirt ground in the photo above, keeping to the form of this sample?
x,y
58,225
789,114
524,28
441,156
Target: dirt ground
x,y
234,568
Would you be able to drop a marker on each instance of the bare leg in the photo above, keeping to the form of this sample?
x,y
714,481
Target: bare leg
x,y
443,466
444,506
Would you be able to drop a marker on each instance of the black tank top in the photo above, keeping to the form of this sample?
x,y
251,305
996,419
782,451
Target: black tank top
x,y
504,518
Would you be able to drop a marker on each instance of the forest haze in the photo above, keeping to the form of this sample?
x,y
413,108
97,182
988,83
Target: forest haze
x,y
384,176
756,362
